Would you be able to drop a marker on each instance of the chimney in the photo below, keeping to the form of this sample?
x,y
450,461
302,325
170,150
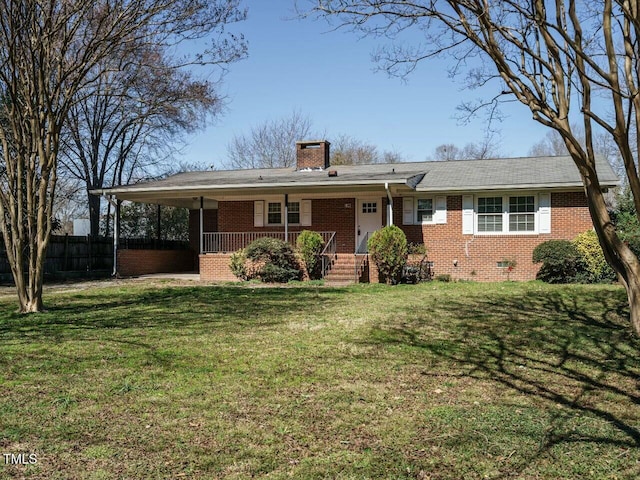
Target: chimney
x,y
312,154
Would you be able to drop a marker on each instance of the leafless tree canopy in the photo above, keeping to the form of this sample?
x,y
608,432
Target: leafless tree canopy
x,y
562,59
50,51
271,144
132,117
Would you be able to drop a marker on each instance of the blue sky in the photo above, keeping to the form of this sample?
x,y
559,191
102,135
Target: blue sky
x,y
329,76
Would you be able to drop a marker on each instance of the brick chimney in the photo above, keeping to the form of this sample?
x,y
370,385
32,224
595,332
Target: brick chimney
x,y
312,154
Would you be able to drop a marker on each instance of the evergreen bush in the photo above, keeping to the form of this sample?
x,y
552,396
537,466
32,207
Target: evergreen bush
x,y
388,250
592,256
561,262
310,245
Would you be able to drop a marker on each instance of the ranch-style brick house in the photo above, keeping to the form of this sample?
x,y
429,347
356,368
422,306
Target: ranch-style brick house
x,y
475,217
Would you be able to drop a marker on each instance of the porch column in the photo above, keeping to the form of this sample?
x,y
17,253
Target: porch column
x,y
389,205
201,225
286,217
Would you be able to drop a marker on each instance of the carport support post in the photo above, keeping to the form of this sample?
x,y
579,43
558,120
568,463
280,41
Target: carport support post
x,y
116,234
159,222
201,225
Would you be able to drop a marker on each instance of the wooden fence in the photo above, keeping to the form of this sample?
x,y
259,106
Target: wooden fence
x,y
85,256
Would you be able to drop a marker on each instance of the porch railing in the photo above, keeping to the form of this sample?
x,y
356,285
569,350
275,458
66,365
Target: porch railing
x,y
225,242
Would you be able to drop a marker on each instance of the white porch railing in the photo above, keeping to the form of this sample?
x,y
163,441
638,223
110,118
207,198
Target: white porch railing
x,y
225,242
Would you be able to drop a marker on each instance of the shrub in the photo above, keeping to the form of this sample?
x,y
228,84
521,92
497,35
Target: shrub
x,y
388,250
561,262
418,267
592,256
310,245
267,259
238,264
445,277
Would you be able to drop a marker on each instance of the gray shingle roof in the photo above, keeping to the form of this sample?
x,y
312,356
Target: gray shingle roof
x,y
461,175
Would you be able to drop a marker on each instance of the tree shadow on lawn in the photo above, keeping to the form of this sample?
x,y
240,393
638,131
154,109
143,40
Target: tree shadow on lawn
x,y
567,346
228,308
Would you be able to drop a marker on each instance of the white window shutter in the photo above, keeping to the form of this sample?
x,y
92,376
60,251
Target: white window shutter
x,y
258,213
407,211
305,213
467,214
440,215
544,213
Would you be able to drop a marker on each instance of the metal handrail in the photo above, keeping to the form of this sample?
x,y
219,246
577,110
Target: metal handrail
x,y
328,253
360,256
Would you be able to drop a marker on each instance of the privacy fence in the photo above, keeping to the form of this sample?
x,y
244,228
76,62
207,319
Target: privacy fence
x,y
71,256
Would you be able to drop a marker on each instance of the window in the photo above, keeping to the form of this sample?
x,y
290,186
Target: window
x,y
511,214
274,213
369,207
293,212
424,210
522,214
490,214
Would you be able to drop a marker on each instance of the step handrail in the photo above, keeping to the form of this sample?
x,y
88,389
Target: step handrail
x,y
328,253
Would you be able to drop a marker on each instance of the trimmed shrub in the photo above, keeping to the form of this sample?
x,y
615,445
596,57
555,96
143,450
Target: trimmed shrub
x,y
388,250
561,262
592,256
238,264
274,260
268,259
310,245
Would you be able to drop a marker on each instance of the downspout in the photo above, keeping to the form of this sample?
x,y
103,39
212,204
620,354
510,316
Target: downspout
x,y
389,205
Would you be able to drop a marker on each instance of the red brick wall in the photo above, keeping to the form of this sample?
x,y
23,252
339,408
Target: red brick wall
x,y
327,215
215,267
477,255
143,262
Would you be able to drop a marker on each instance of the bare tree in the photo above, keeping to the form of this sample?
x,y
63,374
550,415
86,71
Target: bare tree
x,y
559,58
134,115
486,148
347,150
49,52
270,144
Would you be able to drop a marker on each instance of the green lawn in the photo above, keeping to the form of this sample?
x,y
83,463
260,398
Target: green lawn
x,y
505,380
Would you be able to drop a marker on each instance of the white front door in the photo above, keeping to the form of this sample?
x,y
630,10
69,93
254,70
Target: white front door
x,y
368,219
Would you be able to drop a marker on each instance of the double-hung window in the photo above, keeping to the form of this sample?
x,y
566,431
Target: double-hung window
x,y
274,213
424,210
507,214
293,213
522,217
490,214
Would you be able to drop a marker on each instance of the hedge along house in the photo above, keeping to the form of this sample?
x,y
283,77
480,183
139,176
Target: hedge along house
x,y
477,218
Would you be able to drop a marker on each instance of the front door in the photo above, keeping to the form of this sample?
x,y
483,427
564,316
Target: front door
x,y
368,220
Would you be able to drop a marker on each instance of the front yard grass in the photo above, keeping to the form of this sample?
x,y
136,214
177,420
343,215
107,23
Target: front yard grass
x,y
441,381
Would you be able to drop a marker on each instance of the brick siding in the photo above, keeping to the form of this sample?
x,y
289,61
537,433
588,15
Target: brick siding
x,y
475,256
215,267
327,215
143,262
